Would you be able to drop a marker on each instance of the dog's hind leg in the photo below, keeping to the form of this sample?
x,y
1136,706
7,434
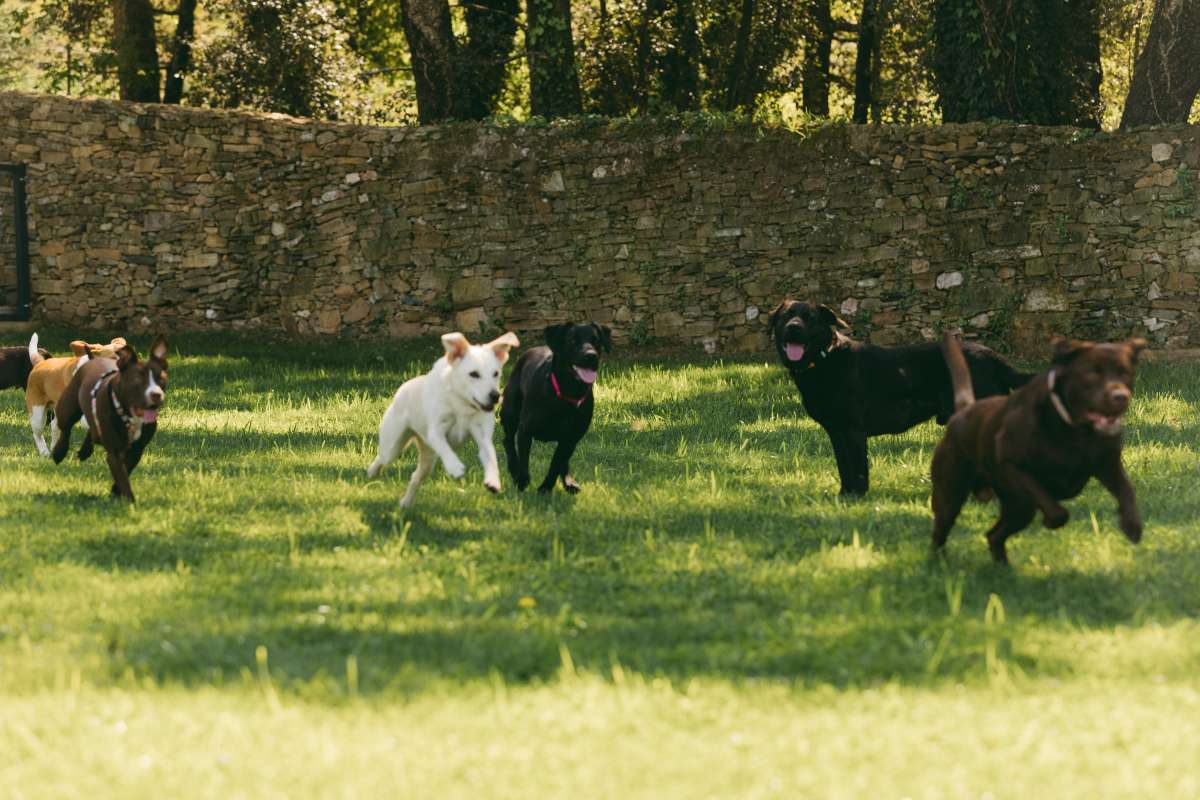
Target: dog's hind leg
x,y
1015,515
392,438
951,486
426,459
37,422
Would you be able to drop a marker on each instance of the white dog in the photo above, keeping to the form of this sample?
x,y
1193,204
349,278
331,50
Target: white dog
x,y
441,407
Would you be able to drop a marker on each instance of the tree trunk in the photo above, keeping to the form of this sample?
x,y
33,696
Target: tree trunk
x,y
181,57
553,81
482,63
1086,62
867,43
681,65
431,45
816,59
1166,78
741,54
136,50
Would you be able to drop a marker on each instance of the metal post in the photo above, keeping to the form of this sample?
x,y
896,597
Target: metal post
x,y
21,221
24,305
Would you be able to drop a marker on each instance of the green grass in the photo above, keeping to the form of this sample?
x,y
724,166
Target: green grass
x,y
705,619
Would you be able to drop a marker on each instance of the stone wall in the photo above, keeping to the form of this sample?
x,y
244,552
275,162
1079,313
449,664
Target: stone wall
x,y
164,217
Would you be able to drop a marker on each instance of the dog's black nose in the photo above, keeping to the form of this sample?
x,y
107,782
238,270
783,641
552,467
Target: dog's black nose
x,y
493,397
589,359
1119,397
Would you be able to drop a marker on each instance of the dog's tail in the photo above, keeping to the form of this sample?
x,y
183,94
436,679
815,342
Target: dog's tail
x,y
34,356
960,376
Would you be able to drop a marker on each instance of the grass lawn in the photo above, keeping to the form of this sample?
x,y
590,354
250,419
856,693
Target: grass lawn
x,y
705,619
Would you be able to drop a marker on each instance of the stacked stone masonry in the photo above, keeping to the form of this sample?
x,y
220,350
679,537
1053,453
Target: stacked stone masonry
x,y
159,217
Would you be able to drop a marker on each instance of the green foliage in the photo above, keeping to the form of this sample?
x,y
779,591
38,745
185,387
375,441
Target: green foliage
x,y
1022,60
1187,194
663,57
286,56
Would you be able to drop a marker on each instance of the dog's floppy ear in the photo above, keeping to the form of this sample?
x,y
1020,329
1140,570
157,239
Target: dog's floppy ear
x,y
456,346
775,315
158,350
830,317
1063,350
79,348
556,336
1136,346
118,342
126,357
502,344
604,334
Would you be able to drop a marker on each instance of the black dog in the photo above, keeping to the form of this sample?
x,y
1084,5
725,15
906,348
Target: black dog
x,y
16,364
854,390
549,398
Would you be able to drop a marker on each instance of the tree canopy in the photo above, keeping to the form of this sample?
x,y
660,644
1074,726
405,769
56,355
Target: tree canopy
x,y
1093,63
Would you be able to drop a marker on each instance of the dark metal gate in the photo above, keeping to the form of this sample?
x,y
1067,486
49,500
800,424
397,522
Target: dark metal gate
x,y
14,245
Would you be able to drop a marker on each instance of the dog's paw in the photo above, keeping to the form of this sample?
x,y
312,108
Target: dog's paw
x,y
571,485
372,471
1132,528
456,469
1056,517
521,483
492,486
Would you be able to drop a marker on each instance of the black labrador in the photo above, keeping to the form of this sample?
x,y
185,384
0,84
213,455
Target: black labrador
x,y
855,390
549,398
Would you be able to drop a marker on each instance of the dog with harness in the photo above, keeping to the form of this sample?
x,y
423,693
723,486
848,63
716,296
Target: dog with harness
x,y
120,400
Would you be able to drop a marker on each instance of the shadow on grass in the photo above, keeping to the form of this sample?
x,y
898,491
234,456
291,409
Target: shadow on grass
x,y
882,621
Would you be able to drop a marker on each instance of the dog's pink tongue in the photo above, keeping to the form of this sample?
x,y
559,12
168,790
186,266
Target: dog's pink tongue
x,y
586,375
795,352
150,415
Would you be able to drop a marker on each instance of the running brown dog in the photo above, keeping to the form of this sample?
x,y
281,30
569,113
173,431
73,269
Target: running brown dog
x,y
1040,444
120,400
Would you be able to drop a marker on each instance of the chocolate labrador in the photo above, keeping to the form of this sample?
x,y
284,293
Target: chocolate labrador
x,y
1039,445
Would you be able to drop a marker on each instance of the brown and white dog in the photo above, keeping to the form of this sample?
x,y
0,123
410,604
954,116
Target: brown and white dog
x,y
17,362
49,378
120,400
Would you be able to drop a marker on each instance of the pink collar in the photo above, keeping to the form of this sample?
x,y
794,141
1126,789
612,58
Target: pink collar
x,y
575,401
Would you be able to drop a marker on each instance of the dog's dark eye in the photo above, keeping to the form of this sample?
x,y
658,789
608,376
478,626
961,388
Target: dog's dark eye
x,y
474,373
496,374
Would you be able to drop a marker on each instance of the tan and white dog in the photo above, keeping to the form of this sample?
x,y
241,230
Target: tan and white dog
x,y
49,378
455,398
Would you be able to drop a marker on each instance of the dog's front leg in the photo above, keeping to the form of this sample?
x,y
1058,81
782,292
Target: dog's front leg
x,y
450,460
850,452
1114,478
482,434
1053,513
524,447
560,467
134,454
116,465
